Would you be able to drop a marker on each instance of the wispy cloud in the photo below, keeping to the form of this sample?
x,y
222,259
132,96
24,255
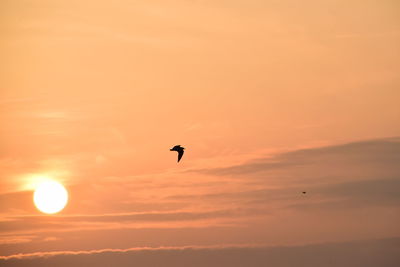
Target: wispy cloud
x,y
63,223
98,251
363,253
379,153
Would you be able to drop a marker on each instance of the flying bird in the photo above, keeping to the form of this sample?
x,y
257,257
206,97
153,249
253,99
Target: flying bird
x,y
178,149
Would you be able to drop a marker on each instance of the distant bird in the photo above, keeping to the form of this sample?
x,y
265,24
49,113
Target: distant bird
x,y
178,149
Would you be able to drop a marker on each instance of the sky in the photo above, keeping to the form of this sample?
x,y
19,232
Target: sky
x,y
269,98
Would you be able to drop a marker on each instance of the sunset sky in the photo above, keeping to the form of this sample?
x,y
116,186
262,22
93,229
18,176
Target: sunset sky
x,y
270,98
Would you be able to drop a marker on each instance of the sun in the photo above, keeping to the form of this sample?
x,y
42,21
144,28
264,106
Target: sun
x,y
50,197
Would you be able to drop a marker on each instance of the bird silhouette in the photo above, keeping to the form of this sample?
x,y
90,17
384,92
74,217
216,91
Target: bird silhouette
x,y
178,149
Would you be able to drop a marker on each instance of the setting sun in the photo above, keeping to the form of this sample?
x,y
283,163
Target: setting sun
x,y
50,197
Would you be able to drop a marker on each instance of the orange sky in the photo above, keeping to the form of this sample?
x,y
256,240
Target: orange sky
x,y
270,98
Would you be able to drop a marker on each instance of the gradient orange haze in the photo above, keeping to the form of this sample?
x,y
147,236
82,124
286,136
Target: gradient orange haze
x,y
269,98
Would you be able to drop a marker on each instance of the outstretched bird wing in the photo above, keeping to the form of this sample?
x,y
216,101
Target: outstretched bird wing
x,y
180,154
176,148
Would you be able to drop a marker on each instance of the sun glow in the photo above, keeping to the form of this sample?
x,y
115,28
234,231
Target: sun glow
x,y
50,197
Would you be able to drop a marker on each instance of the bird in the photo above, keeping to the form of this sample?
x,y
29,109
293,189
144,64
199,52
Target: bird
x,y
178,149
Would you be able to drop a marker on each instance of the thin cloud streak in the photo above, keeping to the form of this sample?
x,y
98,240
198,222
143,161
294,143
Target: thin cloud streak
x,y
365,253
98,251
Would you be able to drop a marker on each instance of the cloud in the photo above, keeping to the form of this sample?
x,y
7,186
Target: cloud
x,y
379,192
15,239
16,201
106,221
383,252
345,195
256,201
380,153
347,176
